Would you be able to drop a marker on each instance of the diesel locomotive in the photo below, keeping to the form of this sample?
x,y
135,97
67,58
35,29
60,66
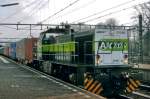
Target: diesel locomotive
x,y
93,57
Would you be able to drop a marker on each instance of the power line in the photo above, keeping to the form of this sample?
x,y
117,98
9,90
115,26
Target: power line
x,y
60,10
33,11
112,13
106,15
17,12
75,9
105,10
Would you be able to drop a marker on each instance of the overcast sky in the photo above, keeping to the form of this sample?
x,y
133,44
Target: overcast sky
x,y
35,11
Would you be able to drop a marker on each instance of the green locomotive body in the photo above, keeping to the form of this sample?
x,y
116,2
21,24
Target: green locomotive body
x,y
100,54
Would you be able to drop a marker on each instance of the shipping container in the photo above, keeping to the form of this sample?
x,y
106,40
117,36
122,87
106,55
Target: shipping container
x,y
12,50
2,50
6,50
26,49
20,49
31,49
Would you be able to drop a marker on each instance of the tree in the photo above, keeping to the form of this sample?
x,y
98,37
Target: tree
x,y
144,10
111,22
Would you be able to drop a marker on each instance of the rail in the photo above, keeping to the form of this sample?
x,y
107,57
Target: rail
x,y
123,97
141,95
145,87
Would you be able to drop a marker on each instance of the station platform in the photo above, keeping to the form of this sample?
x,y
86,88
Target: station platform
x,y
143,66
22,82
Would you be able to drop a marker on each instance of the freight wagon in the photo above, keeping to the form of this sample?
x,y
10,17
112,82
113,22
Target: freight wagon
x,y
2,50
12,50
6,51
26,50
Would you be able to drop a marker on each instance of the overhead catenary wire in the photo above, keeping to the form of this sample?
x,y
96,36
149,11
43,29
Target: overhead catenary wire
x,y
75,9
113,12
34,9
24,18
58,12
71,4
17,12
119,5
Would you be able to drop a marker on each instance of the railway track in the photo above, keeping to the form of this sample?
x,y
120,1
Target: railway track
x,y
142,93
145,87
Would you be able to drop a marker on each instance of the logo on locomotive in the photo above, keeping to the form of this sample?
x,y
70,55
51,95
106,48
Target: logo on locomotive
x,y
111,47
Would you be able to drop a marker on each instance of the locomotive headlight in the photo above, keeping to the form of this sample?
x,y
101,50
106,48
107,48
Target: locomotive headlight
x,y
98,59
125,59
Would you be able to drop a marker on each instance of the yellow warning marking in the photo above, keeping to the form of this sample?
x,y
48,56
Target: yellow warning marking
x,y
96,88
85,81
138,82
131,87
93,85
128,89
89,83
133,83
99,91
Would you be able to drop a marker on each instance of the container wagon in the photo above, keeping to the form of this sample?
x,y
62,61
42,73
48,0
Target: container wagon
x,y
6,51
2,50
26,50
12,50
